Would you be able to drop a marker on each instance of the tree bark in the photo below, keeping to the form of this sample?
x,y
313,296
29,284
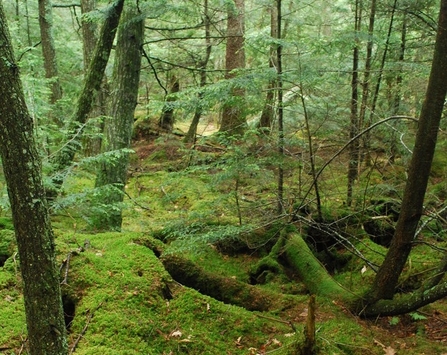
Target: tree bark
x,y
118,129
191,134
48,49
268,111
419,170
233,118
86,98
167,119
35,240
92,145
354,148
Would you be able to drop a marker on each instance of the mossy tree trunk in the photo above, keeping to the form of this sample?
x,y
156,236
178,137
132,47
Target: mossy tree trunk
x,y
92,144
48,49
35,240
318,281
92,84
118,129
167,119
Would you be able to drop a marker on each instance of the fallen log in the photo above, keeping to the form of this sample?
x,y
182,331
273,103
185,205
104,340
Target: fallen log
x,y
222,288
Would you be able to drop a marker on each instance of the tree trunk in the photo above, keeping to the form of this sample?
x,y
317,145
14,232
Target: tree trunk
x,y
281,207
166,121
366,76
48,49
419,170
396,96
118,129
92,84
267,114
92,145
354,118
191,134
233,117
35,240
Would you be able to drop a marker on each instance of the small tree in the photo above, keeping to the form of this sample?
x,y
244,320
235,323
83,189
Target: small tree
x,y
35,240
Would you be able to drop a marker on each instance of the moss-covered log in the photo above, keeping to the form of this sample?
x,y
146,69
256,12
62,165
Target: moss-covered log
x,y
312,272
219,287
405,303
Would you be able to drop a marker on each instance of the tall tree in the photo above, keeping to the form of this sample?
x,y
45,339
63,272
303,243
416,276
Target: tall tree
x,y
233,118
92,84
48,49
35,240
92,144
267,114
354,148
419,170
118,129
202,65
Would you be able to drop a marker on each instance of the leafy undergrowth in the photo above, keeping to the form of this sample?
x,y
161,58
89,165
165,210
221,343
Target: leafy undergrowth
x,y
201,205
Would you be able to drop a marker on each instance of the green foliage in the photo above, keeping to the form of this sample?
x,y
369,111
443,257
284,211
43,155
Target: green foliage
x,y
394,321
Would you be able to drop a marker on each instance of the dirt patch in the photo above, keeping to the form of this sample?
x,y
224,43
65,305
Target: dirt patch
x,y
434,326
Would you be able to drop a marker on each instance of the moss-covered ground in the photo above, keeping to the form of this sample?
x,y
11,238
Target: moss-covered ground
x,y
119,299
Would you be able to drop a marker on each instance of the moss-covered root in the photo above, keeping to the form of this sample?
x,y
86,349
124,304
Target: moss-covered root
x,y
221,288
268,264
312,272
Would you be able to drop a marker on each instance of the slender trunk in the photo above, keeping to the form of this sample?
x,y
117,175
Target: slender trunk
x,y
280,113
419,170
367,73
354,119
48,49
118,129
92,84
267,114
397,95
35,239
311,154
191,135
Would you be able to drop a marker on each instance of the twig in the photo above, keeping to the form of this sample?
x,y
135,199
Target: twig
x,y
288,322
23,345
84,330
137,203
67,264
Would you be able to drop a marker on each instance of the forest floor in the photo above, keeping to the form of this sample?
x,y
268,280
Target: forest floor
x,y
120,299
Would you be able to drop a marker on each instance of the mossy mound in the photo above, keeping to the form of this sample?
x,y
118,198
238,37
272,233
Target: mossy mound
x,y
122,301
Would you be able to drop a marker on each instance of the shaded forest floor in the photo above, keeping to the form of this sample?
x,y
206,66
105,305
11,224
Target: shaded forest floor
x,y
213,207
